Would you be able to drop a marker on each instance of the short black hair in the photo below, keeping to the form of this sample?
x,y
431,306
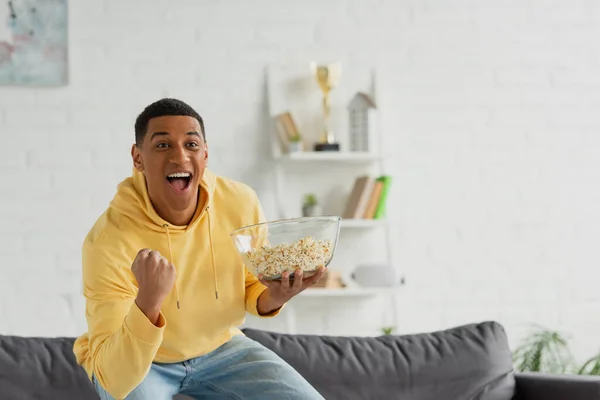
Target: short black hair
x,y
162,107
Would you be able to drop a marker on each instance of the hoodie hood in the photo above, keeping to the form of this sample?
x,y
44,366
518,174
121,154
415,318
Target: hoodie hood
x,y
132,200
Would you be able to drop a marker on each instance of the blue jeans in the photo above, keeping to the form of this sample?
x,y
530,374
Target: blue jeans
x,y
239,369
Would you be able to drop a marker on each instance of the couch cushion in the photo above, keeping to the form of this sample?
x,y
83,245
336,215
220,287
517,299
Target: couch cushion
x,y
40,369
468,362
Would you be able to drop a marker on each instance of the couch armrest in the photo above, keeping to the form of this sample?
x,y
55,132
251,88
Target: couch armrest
x,y
539,386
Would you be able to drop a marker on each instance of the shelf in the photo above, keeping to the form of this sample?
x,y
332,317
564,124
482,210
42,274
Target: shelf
x,y
331,156
347,292
362,223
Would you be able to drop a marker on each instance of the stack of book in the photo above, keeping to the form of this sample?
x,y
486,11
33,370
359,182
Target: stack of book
x,y
330,280
368,198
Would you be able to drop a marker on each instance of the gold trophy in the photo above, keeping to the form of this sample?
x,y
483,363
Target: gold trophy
x,y
328,77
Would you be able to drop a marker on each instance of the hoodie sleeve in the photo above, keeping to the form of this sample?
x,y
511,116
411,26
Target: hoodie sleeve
x,y
122,340
253,286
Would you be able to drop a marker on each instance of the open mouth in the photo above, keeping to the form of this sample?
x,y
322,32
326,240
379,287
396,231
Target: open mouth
x,y
179,181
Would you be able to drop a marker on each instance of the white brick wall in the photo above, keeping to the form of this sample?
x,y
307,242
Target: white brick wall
x,y
491,120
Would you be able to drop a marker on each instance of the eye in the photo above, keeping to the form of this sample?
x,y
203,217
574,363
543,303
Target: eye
x,y
161,145
193,144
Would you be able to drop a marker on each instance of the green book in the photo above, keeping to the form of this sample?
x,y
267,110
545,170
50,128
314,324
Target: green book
x,y
381,205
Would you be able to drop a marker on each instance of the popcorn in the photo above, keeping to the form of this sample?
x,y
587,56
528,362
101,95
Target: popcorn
x,y
307,254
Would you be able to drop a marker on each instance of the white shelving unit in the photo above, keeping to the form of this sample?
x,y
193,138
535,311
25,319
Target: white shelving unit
x,y
322,156
362,223
279,101
350,292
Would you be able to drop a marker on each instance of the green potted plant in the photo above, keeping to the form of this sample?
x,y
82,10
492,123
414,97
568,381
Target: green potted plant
x,y
387,330
310,206
547,351
295,145
591,366
543,351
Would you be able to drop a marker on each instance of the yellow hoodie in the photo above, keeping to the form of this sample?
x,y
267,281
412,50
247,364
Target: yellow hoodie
x,y
121,343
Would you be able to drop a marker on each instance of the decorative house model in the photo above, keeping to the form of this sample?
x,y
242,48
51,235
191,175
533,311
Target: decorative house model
x,y
362,112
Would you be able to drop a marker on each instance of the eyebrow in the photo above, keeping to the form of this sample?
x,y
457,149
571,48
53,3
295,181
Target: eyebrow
x,y
191,133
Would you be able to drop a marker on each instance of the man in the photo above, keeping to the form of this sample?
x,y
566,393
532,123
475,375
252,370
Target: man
x,y
165,288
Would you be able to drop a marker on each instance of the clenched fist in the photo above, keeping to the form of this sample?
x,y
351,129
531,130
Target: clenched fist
x,y
155,276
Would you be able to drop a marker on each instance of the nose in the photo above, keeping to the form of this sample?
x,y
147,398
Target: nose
x,y
179,155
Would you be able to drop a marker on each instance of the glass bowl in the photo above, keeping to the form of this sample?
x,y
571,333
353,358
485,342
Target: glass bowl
x,y
271,248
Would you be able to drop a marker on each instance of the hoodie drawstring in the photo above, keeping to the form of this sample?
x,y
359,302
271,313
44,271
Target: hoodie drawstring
x,y
171,260
212,255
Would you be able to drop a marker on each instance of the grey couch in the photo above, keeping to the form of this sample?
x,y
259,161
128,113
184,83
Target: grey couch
x,y
471,362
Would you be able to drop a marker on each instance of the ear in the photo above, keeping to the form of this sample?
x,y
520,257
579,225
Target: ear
x,y
136,155
205,153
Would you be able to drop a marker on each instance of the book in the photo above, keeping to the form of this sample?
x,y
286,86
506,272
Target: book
x,y
380,210
331,280
359,197
373,200
282,133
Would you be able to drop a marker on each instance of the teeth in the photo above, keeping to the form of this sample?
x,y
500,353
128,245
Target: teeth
x,y
179,175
